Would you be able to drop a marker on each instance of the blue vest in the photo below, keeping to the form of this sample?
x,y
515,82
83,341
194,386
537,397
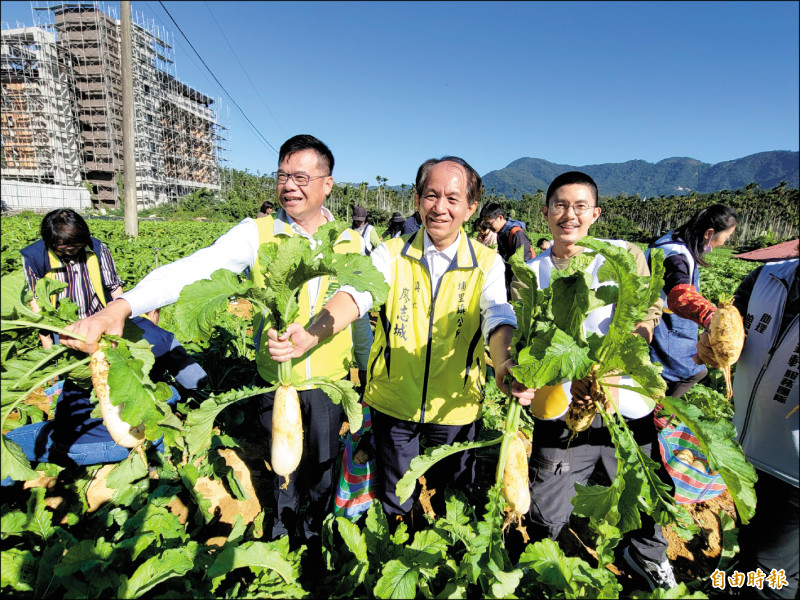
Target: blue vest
x,y
675,338
37,260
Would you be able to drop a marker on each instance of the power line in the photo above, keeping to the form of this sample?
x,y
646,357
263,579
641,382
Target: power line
x,y
222,87
255,89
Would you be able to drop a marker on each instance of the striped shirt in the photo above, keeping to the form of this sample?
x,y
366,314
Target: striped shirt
x,y
75,273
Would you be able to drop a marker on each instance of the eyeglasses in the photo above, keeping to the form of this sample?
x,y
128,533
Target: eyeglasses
x,y
487,224
559,208
300,179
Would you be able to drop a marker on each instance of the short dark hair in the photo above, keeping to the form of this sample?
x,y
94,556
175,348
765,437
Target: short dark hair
x,y
491,211
718,217
569,178
474,185
541,241
64,226
302,142
267,204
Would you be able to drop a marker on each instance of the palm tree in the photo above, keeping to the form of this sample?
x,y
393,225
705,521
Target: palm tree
x,y
364,186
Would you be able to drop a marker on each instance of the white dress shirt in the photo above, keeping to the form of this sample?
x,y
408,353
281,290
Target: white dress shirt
x,y
236,251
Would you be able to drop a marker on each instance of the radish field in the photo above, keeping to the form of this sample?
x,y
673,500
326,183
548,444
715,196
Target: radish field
x,y
190,522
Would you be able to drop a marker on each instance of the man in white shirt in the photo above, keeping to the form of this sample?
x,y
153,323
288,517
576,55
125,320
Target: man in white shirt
x,y
304,179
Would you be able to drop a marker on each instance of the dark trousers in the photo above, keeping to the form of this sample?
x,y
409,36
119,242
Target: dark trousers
x,y
313,483
678,388
397,443
556,468
771,540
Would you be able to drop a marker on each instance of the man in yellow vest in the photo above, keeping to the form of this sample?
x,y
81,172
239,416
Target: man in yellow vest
x,y
304,179
426,367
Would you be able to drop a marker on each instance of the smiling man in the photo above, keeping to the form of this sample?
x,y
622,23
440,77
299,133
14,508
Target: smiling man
x,y
558,461
426,367
304,179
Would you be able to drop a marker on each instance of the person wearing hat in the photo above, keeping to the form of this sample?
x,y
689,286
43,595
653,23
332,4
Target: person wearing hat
x,y
371,238
395,228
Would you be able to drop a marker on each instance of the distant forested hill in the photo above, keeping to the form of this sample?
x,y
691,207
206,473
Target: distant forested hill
x,y
671,176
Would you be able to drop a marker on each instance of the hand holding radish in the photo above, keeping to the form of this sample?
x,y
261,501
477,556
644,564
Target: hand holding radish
x,y
109,320
523,394
292,343
705,354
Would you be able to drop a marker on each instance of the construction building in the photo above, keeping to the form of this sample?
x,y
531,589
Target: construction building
x,y
62,109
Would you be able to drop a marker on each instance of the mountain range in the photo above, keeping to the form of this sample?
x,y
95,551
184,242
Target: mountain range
x,y
672,176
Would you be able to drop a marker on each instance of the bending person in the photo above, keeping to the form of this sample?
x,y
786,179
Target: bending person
x,y
68,253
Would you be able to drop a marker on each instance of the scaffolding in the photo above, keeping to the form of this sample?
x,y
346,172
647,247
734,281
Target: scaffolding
x,y
38,124
68,69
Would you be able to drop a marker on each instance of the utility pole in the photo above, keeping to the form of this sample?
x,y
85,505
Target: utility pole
x,y
128,130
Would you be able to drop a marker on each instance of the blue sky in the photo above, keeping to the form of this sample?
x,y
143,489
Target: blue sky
x,y
389,84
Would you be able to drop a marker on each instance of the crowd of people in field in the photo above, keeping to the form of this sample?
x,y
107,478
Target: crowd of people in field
x,y
423,365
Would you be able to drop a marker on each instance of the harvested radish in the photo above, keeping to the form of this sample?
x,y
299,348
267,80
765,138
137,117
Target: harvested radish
x,y
581,413
287,432
579,416
726,338
515,478
699,465
121,432
685,456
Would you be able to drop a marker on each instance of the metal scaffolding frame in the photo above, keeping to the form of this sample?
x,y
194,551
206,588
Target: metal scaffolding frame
x,y
62,108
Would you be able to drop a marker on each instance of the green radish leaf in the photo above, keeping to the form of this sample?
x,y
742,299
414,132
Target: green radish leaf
x,y
551,358
200,422
398,580
84,557
14,298
353,538
127,472
575,301
14,463
157,569
18,569
200,303
730,541
264,555
677,593
380,548
423,462
342,392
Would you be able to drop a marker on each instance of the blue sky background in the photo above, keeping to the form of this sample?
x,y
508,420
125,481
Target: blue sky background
x,y
389,84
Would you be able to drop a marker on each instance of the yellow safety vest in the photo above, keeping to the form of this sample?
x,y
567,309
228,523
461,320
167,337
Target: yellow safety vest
x,y
92,265
331,358
95,276
427,361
